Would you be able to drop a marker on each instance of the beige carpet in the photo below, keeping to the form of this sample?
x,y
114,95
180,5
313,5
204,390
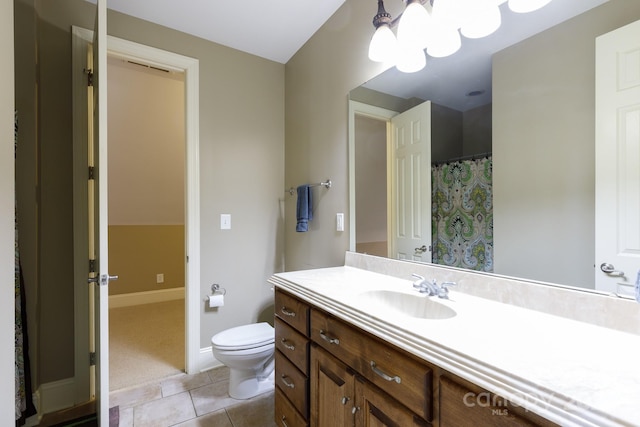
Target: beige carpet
x,y
146,343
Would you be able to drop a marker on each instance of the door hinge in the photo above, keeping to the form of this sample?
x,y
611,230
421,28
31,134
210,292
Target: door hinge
x,y
92,172
92,358
89,74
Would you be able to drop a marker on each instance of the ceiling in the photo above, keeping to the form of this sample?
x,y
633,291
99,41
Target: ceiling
x,y
273,29
276,29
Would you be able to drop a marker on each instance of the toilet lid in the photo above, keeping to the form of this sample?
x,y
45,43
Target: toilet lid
x,y
246,336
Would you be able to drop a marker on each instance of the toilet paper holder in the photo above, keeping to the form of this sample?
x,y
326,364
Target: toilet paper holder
x,y
216,290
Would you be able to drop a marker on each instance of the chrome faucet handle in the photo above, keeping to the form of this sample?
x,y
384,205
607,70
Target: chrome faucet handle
x,y
443,290
418,284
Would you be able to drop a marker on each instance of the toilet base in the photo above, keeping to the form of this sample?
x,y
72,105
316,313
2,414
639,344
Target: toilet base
x,y
245,385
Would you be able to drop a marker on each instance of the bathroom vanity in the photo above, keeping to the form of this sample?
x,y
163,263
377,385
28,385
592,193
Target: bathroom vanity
x,y
359,347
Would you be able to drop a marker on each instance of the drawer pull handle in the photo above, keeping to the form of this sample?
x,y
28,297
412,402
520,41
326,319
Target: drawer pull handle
x,y
288,346
383,374
328,339
284,421
285,380
287,312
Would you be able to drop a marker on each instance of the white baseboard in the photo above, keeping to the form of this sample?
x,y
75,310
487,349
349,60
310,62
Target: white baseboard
x,y
147,297
206,361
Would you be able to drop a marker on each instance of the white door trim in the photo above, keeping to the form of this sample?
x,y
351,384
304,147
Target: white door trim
x,y
190,66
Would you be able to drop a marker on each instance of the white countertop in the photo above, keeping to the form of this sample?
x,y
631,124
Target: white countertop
x,y
570,372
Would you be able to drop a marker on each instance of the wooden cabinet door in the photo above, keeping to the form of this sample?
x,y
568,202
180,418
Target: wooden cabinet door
x,y
332,391
463,404
377,409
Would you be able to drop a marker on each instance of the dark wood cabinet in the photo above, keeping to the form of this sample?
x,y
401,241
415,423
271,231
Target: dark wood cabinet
x,y
292,361
396,372
378,409
463,404
330,373
332,390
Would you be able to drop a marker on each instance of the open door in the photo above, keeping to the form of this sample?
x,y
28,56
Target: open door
x,y
98,222
617,258
411,186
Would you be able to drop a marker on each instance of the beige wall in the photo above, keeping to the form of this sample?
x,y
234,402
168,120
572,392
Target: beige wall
x,y
318,80
146,145
543,144
370,146
241,173
146,177
446,133
7,366
139,252
477,130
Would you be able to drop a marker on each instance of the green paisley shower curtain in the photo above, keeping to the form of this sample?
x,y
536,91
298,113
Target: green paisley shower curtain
x,y
462,214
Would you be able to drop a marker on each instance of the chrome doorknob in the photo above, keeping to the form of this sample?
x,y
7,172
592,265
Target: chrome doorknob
x,y
610,270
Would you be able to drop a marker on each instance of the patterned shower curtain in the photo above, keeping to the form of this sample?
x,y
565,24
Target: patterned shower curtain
x,y
462,214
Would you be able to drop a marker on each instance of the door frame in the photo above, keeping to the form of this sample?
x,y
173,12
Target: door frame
x,y
156,57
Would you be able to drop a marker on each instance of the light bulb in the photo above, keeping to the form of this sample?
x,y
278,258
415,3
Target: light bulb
x,y
451,13
383,44
446,41
524,6
414,26
485,22
410,59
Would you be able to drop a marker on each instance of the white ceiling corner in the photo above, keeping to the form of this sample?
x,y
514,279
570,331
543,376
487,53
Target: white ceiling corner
x,y
273,29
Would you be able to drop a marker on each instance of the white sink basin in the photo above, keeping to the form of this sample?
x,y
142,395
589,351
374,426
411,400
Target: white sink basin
x,y
419,306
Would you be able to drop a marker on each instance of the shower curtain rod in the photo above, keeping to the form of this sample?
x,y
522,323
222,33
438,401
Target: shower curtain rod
x,y
469,157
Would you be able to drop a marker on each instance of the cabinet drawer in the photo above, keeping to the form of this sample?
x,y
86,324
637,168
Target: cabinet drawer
x,y
293,345
293,311
285,415
293,383
407,380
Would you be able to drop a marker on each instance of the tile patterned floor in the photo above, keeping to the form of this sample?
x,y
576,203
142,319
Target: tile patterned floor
x,y
198,400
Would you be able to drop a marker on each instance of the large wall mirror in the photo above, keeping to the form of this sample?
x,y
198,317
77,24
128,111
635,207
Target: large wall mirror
x,y
525,98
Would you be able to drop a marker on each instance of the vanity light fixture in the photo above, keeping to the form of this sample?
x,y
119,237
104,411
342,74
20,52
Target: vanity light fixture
x,y
436,25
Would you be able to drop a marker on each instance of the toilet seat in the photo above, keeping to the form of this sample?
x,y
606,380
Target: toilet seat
x,y
244,337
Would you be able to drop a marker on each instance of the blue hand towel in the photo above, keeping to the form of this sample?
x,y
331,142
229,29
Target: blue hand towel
x,y
303,208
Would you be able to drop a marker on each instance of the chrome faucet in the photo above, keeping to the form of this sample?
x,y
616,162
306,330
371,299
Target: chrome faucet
x,y
432,288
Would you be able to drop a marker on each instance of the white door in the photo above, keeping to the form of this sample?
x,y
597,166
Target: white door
x,y
98,221
411,184
617,258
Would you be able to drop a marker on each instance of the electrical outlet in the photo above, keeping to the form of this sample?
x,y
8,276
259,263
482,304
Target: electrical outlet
x,y
160,278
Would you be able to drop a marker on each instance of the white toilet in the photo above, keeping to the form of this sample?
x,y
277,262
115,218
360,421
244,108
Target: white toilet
x,y
248,351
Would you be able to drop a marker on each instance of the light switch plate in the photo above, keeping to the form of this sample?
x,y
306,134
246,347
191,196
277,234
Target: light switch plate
x,y
225,221
339,222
